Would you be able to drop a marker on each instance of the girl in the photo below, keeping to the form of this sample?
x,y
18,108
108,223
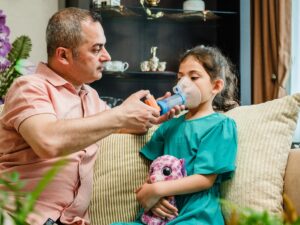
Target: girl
x,y
206,139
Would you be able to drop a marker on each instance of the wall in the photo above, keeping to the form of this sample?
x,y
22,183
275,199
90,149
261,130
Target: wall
x,y
245,52
295,78
29,18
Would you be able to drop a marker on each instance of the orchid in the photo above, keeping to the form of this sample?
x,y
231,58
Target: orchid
x,y
4,42
13,61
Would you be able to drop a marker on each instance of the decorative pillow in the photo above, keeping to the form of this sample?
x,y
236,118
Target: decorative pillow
x,y
264,141
118,171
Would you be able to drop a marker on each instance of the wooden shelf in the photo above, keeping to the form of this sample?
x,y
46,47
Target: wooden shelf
x,y
141,75
175,14
116,11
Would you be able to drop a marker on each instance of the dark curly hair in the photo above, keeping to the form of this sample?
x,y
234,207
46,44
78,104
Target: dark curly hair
x,y
218,67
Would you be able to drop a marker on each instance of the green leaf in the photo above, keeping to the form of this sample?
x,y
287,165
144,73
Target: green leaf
x,y
14,177
21,48
23,201
7,79
1,217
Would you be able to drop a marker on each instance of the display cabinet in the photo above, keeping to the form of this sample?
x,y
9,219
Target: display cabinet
x,y
130,35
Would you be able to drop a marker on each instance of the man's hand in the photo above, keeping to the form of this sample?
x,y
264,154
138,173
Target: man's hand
x,y
136,115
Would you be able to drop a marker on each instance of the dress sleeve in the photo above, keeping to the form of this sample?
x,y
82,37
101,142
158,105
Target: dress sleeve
x,y
217,151
155,147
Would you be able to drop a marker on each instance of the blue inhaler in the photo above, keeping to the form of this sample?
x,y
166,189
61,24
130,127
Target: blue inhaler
x,y
185,93
167,104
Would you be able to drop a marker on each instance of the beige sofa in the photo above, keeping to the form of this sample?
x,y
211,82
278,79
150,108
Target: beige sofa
x,y
266,165
114,199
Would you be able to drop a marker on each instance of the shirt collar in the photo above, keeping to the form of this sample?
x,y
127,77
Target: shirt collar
x,y
54,78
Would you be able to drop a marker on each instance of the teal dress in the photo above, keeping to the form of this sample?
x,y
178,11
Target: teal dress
x,y
208,145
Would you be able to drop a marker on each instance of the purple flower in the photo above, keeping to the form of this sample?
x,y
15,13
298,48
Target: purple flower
x,y
4,63
5,46
2,18
4,31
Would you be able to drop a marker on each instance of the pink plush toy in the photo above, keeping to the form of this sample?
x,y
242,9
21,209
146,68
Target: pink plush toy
x,y
164,168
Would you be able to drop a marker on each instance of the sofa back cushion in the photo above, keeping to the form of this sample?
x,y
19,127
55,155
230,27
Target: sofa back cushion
x,y
265,134
292,179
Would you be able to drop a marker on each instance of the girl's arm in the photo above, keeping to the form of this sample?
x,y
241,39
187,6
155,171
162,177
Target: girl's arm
x,y
149,194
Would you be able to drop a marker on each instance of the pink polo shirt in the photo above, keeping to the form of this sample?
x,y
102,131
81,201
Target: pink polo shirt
x,y
68,194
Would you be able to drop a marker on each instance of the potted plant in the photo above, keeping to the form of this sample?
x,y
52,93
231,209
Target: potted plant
x,y
23,203
247,216
13,57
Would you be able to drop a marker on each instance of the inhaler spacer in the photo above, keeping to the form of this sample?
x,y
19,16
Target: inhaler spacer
x,y
186,93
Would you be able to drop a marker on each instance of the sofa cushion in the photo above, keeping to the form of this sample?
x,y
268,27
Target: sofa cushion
x,y
264,140
292,179
118,171
265,134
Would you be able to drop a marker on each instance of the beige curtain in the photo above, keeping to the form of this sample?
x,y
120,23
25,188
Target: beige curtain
x,y
271,48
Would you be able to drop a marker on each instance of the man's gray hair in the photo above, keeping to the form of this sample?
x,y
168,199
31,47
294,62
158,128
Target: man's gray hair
x,y
64,29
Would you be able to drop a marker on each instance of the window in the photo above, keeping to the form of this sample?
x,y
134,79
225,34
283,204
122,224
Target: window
x,y
295,70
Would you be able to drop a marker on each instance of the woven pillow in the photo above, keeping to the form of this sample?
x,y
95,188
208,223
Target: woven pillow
x,y
118,171
264,140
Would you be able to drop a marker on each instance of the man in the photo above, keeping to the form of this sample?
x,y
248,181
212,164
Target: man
x,y
54,114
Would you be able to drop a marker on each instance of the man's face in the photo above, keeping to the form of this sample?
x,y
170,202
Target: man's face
x,y
87,63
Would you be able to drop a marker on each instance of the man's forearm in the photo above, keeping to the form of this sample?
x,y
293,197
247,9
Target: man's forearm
x,y
60,137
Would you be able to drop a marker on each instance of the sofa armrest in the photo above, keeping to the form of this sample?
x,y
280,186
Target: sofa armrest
x,y
292,178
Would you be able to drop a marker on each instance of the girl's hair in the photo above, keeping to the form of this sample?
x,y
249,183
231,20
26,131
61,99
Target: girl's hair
x,y
218,67
64,29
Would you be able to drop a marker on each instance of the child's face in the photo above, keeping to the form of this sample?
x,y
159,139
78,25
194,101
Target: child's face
x,y
192,68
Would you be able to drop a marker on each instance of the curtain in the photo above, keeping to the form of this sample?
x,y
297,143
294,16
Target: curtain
x,y
271,48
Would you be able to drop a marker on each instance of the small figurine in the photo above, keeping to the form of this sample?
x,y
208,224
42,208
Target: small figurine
x,y
154,60
153,64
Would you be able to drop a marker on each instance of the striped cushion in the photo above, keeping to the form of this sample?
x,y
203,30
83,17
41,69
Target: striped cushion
x,y
118,171
264,140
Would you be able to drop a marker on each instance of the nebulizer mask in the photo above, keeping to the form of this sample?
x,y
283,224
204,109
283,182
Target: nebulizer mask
x,y
185,93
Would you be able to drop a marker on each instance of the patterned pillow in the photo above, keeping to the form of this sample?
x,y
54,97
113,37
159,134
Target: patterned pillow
x,y
264,141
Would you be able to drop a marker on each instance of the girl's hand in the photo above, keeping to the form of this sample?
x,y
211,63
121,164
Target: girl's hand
x,y
147,195
164,209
